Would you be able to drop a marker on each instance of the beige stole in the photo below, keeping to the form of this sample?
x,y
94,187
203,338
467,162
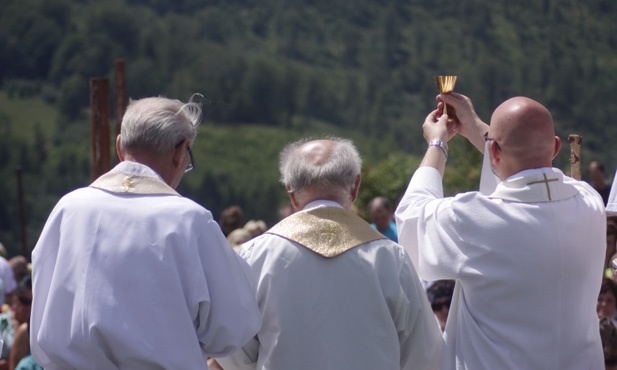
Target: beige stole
x,y
124,182
327,231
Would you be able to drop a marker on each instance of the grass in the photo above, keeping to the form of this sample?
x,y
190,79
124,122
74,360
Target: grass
x,y
25,114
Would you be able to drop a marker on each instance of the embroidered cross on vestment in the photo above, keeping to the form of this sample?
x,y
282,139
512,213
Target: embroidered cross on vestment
x,y
545,181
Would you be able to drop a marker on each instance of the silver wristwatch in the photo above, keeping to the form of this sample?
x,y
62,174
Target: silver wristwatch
x,y
441,145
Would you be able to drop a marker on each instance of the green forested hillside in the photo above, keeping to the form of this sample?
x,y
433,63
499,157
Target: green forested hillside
x,y
274,71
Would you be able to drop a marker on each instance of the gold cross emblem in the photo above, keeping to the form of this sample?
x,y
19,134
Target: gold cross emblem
x,y
128,185
328,231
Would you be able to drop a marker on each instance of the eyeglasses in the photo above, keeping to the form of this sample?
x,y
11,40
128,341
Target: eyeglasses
x,y
24,300
486,138
438,306
191,165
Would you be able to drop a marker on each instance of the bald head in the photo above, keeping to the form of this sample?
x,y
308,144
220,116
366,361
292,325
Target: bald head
x,y
317,152
326,169
524,134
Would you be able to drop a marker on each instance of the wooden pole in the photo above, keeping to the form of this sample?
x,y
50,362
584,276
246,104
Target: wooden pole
x,y
25,251
99,127
575,155
119,92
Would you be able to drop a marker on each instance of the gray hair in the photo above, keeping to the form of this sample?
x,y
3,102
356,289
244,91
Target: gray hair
x,y
158,124
341,168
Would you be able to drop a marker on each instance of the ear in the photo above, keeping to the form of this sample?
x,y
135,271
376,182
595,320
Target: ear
x,y
292,198
557,146
356,188
495,152
179,155
119,149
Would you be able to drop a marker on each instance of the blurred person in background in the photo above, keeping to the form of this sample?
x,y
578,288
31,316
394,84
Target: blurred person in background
x,y
14,326
19,264
608,334
439,295
8,281
597,179
607,300
231,218
22,302
380,211
256,227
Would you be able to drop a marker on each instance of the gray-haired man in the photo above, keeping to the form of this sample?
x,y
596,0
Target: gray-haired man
x,y
333,292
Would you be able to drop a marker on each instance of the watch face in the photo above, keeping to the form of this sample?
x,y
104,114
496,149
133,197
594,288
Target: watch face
x,y
441,145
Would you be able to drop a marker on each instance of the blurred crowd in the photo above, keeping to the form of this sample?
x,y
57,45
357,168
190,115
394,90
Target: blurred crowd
x,y
15,303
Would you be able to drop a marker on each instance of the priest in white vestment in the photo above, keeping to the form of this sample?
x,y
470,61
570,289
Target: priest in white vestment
x,y
527,256
128,274
334,293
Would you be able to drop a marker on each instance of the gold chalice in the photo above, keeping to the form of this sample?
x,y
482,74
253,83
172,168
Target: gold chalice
x,y
445,84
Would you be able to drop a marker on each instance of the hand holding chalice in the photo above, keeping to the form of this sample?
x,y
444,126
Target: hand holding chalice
x,y
445,85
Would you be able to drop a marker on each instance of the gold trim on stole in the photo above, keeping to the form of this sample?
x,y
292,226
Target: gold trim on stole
x,y
122,182
327,231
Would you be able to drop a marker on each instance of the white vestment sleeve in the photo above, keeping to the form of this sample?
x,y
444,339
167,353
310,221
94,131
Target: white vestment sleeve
x,y
419,334
231,316
410,209
432,248
246,357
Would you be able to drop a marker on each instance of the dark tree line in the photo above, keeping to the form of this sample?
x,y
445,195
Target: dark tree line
x,y
284,69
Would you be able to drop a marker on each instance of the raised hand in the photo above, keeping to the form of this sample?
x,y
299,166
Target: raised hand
x,y
467,121
435,127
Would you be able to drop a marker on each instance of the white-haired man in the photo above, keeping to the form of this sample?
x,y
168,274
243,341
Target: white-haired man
x,y
128,274
334,293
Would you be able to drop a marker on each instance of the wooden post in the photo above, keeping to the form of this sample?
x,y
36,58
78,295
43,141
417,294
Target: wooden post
x,y
25,251
575,155
99,127
119,92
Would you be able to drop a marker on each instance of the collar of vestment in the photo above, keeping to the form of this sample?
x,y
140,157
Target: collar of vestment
x,y
326,230
535,186
132,178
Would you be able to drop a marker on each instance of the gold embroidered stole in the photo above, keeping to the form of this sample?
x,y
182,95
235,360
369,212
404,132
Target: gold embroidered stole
x,y
328,231
123,182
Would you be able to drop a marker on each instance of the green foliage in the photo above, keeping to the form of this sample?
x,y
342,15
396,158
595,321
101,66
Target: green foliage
x,y
25,117
275,71
29,34
463,168
389,178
